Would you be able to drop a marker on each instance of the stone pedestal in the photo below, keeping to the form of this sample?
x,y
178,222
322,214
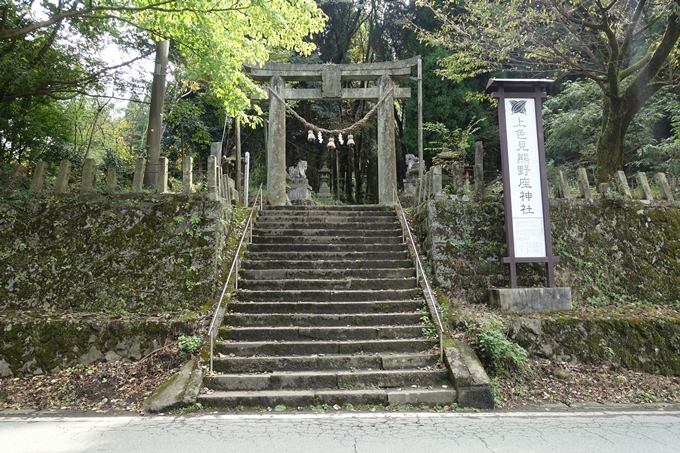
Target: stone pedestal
x,y
300,191
530,300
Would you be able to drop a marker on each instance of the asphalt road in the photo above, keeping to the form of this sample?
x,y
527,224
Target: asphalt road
x,y
571,432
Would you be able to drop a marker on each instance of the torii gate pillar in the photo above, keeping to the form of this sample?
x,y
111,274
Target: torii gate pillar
x,y
387,159
276,145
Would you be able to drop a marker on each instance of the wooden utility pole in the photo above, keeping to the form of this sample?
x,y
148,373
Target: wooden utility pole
x,y
238,158
420,117
154,131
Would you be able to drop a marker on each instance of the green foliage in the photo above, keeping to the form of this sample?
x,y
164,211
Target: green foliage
x,y
571,123
455,143
627,48
499,354
196,407
572,120
448,107
214,52
188,345
55,86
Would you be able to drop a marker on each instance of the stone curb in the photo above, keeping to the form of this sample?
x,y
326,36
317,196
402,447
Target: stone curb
x,y
180,390
468,376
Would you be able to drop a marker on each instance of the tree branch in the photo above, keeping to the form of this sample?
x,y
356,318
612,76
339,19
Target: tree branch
x,y
630,27
16,32
635,67
578,21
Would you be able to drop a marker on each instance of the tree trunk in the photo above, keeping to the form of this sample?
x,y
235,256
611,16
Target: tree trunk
x,y
349,195
154,130
358,198
372,173
609,151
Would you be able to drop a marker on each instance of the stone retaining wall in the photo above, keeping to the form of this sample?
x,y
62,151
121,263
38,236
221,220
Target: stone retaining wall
x,y
143,253
650,345
610,250
39,345
105,277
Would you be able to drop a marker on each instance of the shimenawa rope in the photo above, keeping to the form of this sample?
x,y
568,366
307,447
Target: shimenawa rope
x,y
346,130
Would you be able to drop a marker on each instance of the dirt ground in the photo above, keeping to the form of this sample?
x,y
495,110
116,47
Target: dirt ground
x,y
100,387
548,382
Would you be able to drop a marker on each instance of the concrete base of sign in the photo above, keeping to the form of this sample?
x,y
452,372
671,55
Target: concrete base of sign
x,y
530,300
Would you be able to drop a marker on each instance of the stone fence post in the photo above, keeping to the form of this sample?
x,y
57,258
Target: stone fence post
x,y
111,178
622,184
458,180
211,174
63,176
562,188
643,185
138,178
479,170
162,183
583,185
437,180
38,180
664,187
87,180
187,173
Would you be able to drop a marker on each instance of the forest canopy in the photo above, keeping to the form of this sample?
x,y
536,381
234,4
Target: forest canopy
x,y
627,47
614,104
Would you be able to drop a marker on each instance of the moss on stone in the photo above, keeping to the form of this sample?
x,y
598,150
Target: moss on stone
x,y
41,344
611,251
113,254
649,345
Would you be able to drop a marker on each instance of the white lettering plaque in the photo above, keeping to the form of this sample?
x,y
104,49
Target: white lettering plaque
x,y
525,178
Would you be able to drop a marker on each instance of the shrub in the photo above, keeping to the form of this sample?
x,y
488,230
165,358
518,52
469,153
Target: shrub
x,y
188,345
499,354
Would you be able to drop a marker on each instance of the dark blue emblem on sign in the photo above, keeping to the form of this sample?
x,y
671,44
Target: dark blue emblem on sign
x,y
519,107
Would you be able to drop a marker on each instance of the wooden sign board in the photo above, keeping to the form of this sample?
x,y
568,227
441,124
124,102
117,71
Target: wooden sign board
x,y
525,185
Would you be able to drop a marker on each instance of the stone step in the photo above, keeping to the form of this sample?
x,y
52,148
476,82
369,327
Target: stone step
x,y
322,284
351,378
343,248
305,398
268,347
327,362
327,302
256,263
323,255
247,274
328,320
327,307
328,240
316,295
326,232
366,221
331,218
298,333
323,208
305,213
324,224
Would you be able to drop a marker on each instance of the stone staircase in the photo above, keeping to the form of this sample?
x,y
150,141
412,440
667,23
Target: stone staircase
x,y
328,312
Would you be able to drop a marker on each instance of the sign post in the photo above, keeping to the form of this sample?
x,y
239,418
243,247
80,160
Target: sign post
x,y
525,184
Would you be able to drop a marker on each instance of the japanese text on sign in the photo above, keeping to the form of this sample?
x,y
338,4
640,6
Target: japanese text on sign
x,y
525,178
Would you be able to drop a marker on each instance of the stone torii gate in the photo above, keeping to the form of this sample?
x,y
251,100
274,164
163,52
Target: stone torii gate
x,y
332,76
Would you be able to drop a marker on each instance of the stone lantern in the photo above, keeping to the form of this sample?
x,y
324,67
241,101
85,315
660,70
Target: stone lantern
x,y
324,175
